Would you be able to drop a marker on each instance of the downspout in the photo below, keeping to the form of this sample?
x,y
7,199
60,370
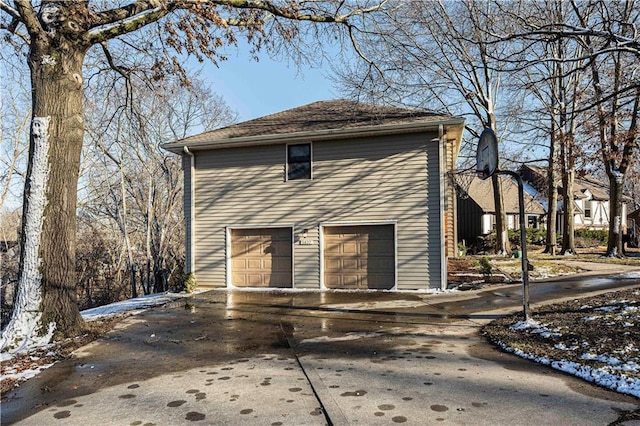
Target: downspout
x,y
190,216
443,196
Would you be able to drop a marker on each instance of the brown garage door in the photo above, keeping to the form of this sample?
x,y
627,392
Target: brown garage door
x,y
359,257
261,257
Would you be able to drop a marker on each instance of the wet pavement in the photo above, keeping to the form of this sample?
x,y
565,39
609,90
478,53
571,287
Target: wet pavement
x,y
314,358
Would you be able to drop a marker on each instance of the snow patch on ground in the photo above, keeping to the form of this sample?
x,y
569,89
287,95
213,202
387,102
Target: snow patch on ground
x,y
23,375
131,305
535,327
601,376
617,369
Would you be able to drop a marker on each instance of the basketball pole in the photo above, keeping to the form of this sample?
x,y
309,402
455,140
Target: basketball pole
x,y
486,166
523,243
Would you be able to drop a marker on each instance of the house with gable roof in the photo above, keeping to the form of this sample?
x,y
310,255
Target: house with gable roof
x,y
476,209
590,198
329,195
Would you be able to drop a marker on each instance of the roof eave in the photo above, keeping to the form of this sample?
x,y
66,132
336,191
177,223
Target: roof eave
x,y
316,135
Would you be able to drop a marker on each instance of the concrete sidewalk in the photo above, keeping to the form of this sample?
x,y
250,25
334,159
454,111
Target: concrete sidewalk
x,y
256,358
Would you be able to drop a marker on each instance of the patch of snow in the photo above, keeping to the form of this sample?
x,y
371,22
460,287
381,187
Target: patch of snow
x,y
528,324
131,305
615,381
24,374
564,347
47,60
23,331
49,13
592,318
96,32
607,308
535,327
600,358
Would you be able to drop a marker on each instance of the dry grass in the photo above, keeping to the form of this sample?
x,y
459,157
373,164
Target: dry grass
x,y
584,331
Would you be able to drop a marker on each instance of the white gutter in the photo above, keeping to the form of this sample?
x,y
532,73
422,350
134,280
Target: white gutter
x,y
443,195
190,264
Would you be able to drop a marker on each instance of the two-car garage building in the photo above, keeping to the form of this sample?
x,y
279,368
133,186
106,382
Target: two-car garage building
x,y
331,195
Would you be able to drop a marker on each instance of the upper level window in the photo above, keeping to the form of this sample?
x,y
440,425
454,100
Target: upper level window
x,y
587,212
299,161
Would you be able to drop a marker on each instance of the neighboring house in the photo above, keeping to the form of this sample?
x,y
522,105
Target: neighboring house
x,y
476,209
333,194
590,198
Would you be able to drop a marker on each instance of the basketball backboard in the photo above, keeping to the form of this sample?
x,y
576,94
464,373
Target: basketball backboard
x,y
487,154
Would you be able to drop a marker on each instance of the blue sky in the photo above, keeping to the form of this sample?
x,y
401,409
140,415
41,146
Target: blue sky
x,y
255,89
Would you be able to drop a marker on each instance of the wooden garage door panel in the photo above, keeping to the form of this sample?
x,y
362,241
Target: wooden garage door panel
x,y
359,257
261,257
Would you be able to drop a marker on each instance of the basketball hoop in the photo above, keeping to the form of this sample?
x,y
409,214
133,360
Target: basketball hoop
x,y
487,154
462,181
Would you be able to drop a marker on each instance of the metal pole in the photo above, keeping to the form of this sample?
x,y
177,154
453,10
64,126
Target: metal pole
x,y
523,243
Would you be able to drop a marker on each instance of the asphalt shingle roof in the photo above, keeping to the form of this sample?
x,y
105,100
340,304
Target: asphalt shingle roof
x,y
598,189
319,117
481,191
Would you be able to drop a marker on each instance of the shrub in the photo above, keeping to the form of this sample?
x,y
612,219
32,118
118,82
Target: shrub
x,y
485,266
190,283
532,236
590,237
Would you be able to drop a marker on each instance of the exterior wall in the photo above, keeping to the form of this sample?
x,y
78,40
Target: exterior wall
x,y
188,213
390,178
488,223
599,217
470,223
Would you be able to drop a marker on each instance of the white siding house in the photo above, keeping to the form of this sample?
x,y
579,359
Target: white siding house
x,y
590,199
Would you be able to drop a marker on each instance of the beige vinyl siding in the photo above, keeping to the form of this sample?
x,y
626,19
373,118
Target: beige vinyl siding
x,y
186,166
362,180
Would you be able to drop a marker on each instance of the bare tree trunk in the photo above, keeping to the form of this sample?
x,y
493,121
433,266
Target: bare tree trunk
x,y
614,244
149,220
47,296
552,209
502,233
552,192
19,148
125,234
568,240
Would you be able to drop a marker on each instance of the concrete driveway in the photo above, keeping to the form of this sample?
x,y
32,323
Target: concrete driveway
x,y
313,358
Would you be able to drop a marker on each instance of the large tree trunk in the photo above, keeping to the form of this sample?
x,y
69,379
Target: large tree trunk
x,y
502,233
552,209
568,240
614,245
47,296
